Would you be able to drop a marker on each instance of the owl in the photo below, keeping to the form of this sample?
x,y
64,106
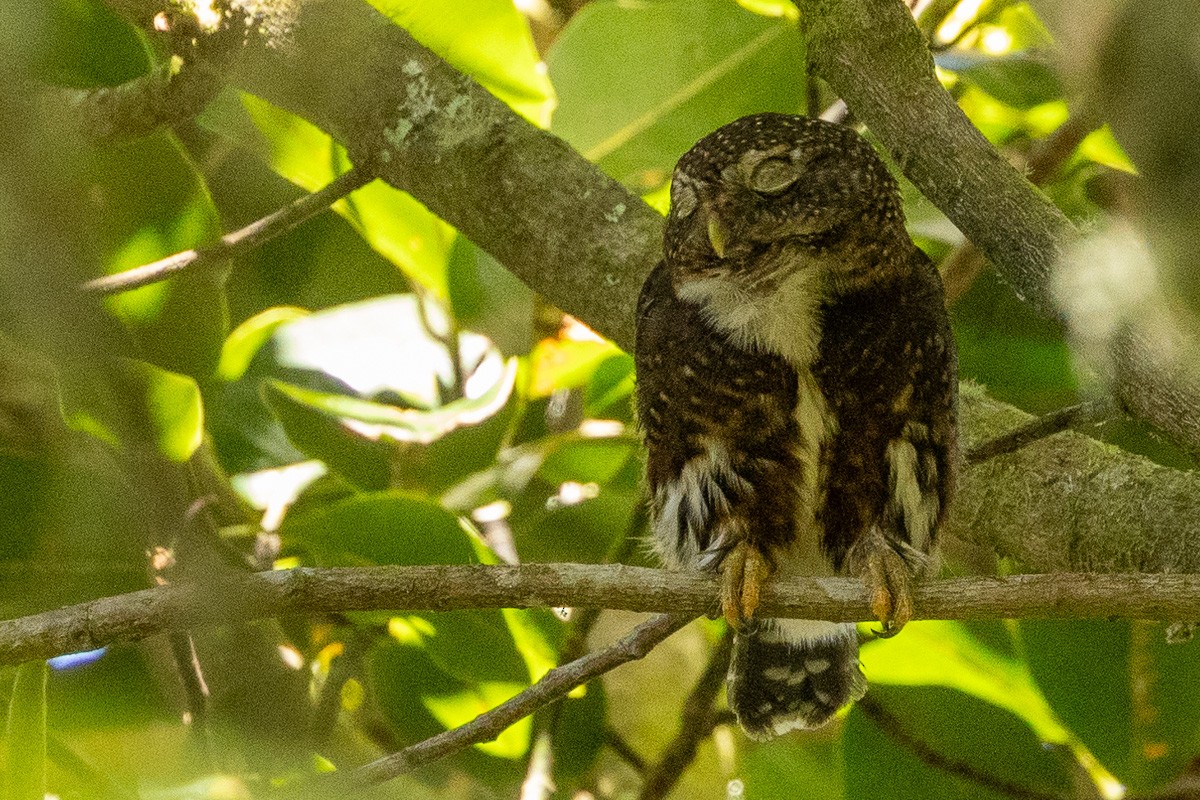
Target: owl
x,y
797,390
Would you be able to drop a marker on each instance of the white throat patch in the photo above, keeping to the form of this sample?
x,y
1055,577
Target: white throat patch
x,y
784,321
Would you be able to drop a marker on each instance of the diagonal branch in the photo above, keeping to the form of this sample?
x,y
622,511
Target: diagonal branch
x,y
306,590
232,245
487,726
894,728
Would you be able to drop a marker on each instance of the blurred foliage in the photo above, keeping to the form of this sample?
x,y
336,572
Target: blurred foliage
x,y
373,389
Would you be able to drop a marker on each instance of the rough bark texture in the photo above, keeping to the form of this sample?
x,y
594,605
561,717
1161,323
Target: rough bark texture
x,y
1071,503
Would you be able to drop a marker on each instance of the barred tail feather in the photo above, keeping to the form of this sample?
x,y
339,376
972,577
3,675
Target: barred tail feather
x,y
793,674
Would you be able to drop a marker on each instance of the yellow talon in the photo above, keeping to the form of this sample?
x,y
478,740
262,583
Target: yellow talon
x,y
888,581
742,574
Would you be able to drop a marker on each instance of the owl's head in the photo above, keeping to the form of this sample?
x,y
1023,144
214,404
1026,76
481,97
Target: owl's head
x,y
772,182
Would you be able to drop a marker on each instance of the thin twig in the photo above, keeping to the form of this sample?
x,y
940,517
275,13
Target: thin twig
x,y
890,725
1077,416
306,590
486,727
233,244
695,725
616,742
191,678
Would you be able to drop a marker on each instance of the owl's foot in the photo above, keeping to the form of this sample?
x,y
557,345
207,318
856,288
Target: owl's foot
x,y
742,574
889,581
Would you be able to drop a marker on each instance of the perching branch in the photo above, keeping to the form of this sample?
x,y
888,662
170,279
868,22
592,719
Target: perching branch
x,y
234,244
487,726
140,614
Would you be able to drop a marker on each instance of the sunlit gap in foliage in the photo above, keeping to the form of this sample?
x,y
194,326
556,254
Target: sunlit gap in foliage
x,y
572,493
291,656
577,331
996,41
272,491
492,512
958,20
601,428
72,660
208,16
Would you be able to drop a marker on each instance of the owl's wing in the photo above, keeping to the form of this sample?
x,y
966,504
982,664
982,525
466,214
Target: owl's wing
x,y
888,369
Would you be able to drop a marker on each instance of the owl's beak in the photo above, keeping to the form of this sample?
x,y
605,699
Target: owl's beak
x,y
718,236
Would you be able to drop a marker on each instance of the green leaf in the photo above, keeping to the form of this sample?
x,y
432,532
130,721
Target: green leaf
x,y
1019,79
395,225
946,654
933,742
404,680
249,337
809,767
320,433
579,732
489,299
586,460
380,528
137,403
610,389
1102,147
176,411
486,39
88,45
149,202
1022,358
566,363
25,734
1127,693
374,445
639,83
461,707
584,531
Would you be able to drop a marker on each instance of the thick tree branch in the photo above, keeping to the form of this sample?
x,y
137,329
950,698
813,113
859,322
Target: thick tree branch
x,y
441,588
1069,503
874,56
527,197
159,99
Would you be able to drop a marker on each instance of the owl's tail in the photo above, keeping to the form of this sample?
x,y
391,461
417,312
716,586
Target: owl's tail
x,y
787,674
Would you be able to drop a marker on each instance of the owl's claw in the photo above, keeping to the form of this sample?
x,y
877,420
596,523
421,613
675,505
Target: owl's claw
x,y
742,574
889,582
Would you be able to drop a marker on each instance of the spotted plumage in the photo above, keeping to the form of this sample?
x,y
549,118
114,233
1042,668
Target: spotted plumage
x,y
797,391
